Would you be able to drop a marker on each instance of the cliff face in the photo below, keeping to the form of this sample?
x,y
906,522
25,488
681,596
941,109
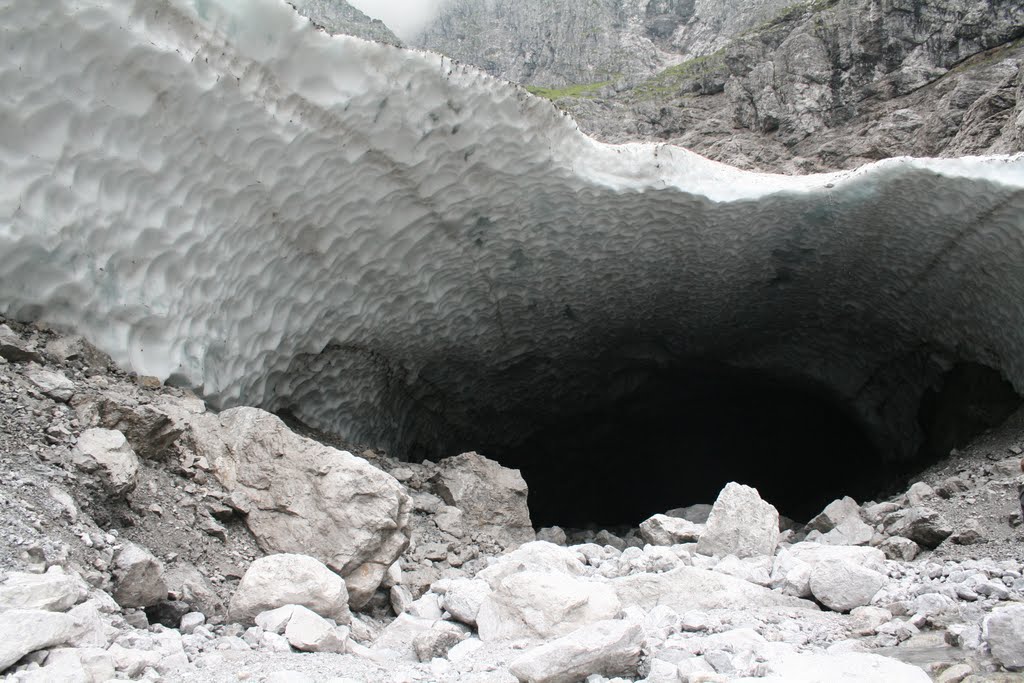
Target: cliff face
x,y
820,85
564,42
337,16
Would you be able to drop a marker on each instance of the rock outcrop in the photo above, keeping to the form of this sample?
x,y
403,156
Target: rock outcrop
x,y
301,496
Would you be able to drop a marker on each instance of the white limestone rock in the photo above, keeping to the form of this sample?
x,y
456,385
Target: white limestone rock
x,y
307,631
923,525
538,556
89,665
437,642
399,638
605,648
106,452
740,524
1003,630
835,513
691,588
55,590
552,534
698,514
543,605
463,598
138,577
288,579
665,530
791,570
849,531
51,383
312,499
26,630
492,497
842,585
838,668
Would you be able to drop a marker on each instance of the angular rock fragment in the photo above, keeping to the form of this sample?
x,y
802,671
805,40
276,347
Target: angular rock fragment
x,y
304,497
691,588
665,530
1003,630
55,591
106,452
924,526
26,630
740,524
52,384
835,513
543,605
606,648
307,631
842,585
287,579
492,497
463,599
138,577
14,349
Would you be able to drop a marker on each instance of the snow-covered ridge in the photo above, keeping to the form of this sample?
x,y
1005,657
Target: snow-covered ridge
x,y
216,191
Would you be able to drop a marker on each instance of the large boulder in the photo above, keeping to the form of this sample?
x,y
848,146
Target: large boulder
x,y
1004,633
138,577
287,579
842,585
740,524
922,525
543,605
839,668
300,496
23,631
538,556
55,591
107,453
792,568
690,588
492,497
605,648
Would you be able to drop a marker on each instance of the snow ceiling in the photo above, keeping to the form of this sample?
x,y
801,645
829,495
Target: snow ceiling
x,y
401,248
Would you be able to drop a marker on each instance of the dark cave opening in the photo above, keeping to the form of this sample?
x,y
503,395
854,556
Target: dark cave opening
x,y
681,435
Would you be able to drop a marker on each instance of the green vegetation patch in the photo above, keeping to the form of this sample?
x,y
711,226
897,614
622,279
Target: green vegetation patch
x,y
583,90
670,81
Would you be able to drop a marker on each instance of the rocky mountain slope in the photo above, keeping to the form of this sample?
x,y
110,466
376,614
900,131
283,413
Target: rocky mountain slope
x,y
818,86
337,16
567,42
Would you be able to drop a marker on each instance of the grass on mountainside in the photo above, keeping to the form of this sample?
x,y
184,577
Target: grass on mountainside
x,y
582,90
668,82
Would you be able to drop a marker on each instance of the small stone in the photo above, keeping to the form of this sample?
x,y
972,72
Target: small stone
x,y
899,548
955,674
191,621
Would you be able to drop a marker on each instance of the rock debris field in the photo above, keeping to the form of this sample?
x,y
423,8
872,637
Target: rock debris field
x,y
146,537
